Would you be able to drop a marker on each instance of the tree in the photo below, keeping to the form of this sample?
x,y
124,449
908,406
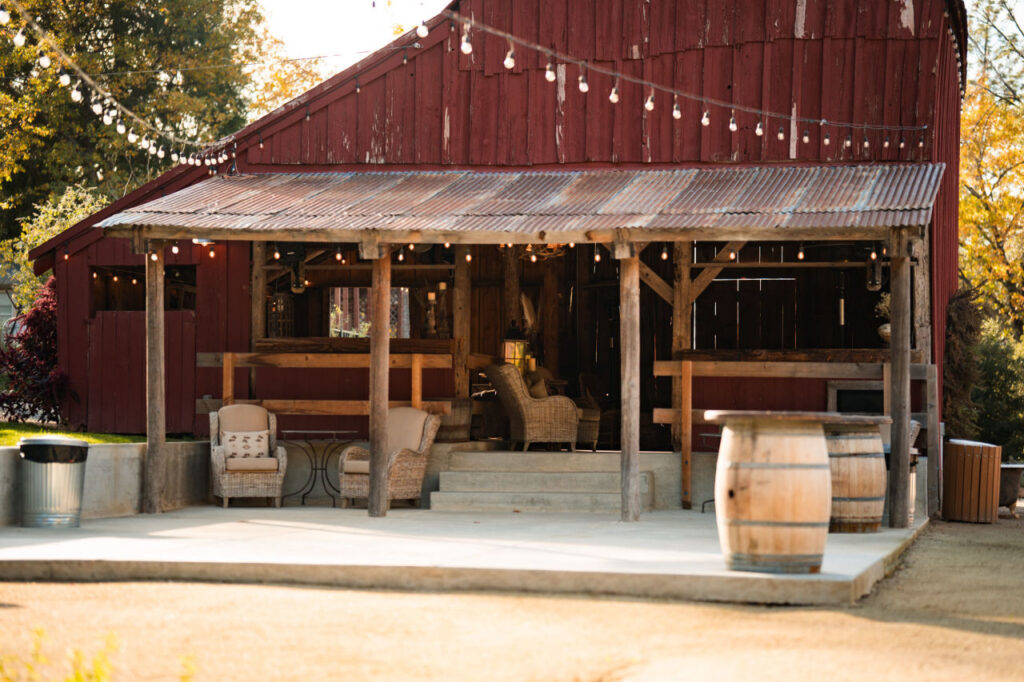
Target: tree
x,y
277,79
50,219
188,77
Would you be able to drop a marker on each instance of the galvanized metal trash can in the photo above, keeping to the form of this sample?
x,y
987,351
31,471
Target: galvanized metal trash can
x,y
52,479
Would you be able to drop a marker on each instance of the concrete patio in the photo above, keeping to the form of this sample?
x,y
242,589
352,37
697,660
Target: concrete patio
x,y
670,554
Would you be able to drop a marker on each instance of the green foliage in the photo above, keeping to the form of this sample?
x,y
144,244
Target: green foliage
x,y
960,370
49,220
1000,393
37,665
48,142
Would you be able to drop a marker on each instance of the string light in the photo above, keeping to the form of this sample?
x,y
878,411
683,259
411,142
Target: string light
x,y
44,60
613,96
866,142
584,86
781,134
705,120
649,103
175,249
849,141
19,38
64,78
134,280
277,254
874,252
828,140
114,278
533,258
5,16
469,255
549,72
422,31
401,256
885,143
597,253
759,130
94,275
447,245
664,253
76,93
902,143
732,124
800,253
212,251
677,113
153,257
337,254
807,136
510,59
732,254
467,46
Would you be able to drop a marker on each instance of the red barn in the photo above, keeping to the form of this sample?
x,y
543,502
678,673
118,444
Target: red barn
x,y
774,158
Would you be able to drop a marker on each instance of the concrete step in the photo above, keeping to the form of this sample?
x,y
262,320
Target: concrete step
x,y
528,502
539,482
505,460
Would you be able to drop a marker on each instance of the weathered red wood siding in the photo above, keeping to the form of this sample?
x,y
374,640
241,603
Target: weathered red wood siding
x,y
849,60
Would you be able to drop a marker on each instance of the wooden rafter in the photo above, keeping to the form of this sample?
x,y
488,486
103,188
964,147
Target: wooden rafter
x,y
708,275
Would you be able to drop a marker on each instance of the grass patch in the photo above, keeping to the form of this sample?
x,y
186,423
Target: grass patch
x,y
11,433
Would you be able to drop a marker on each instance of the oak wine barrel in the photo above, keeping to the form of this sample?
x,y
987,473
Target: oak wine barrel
x,y
857,464
773,491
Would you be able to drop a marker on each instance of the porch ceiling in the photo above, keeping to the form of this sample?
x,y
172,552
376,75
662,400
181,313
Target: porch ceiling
x,y
461,206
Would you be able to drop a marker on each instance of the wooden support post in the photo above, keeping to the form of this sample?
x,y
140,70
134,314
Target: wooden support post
x,y
899,458
549,315
629,348
682,385
156,423
461,326
380,335
227,395
416,381
510,273
923,299
258,295
934,442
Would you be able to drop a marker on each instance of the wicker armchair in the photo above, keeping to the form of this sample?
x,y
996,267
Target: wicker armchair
x,y
533,420
410,434
261,475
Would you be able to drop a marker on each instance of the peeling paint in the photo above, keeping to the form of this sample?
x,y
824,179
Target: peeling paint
x,y
446,139
560,121
801,18
907,15
794,132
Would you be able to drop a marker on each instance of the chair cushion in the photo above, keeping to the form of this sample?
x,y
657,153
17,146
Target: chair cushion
x,y
251,464
243,418
357,466
539,389
245,444
405,428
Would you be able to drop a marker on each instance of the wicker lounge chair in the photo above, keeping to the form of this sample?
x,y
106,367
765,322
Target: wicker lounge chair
x,y
245,459
533,420
410,434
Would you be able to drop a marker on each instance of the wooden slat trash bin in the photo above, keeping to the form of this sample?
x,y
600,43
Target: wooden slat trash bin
x,y
970,481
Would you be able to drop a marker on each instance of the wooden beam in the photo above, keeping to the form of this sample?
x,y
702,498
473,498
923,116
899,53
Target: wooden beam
x,y
629,348
682,381
416,382
258,296
934,436
348,408
785,370
550,316
156,422
923,298
899,460
872,355
320,360
461,326
656,283
370,247
707,275
380,332
228,379
510,294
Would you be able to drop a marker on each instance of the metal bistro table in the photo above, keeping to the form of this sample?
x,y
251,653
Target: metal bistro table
x,y
306,441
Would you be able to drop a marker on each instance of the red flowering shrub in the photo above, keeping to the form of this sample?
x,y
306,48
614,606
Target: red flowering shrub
x,y
28,358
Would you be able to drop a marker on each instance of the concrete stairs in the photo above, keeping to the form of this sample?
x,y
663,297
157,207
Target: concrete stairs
x,y
532,482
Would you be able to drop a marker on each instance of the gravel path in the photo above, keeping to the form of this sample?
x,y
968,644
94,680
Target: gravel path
x,y
954,611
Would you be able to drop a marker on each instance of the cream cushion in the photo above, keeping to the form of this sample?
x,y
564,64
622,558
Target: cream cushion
x,y
357,466
243,418
405,428
251,464
244,444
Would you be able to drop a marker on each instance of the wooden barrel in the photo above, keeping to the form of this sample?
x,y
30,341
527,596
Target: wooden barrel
x,y
857,463
773,494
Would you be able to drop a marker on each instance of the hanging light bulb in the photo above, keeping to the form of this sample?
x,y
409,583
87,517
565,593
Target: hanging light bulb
x,y
732,124
401,256
549,72
132,137
422,31
261,140
153,256
828,140
337,254
920,142
447,245
107,120
705,120
807,136
903,143
64,78
94,275
99,174
160,153
885,142
44,60
469,255
175,249
152,149
5,16
277,254
664,253
174,156
76,92
849,141
572,245
510,59
613,96
874,253
649,103
677,113
781,134
866,143
19,38
800,253
66,254
114,278
467,46
584,86
120,127
759,130
97,107
597,254
134,281
212,252
533,258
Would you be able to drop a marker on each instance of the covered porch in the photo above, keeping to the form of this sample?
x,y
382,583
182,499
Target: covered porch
x,y
705,221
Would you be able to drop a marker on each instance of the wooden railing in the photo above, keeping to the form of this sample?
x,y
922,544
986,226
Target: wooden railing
x,y
229,362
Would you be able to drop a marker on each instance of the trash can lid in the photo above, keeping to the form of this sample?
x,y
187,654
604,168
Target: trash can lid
x,y
54,439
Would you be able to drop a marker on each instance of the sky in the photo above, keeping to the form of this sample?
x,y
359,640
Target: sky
x,y
350,28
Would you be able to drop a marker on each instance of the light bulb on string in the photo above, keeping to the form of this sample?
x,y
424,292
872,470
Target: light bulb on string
x,y
649,103
64,78
5,16
848,142
99,174
160,153
549,72
422,31
800,253
175,249
152,149
510,59
447,245
759,130
121,127
677,113
261,140
469,255
732,124
337,254
664,253
467,45
277,253
584,86
572,245
153,257
533,258
613,96
885,142
106,118
705,120
412,247
401,256
76,92
134,280
114,278
828,140
732,254
920,142
132,137
807,136
597,253
97,107
866,143
781,135
874,253
174,156
903,143
44,60
212,252
19,38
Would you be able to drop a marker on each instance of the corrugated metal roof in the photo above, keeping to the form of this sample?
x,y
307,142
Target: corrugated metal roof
x,y
521,204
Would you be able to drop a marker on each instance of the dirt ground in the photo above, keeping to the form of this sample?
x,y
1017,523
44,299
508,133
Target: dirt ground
x,y
953,611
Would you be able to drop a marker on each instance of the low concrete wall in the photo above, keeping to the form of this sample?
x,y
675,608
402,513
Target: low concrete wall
x,y
113,479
